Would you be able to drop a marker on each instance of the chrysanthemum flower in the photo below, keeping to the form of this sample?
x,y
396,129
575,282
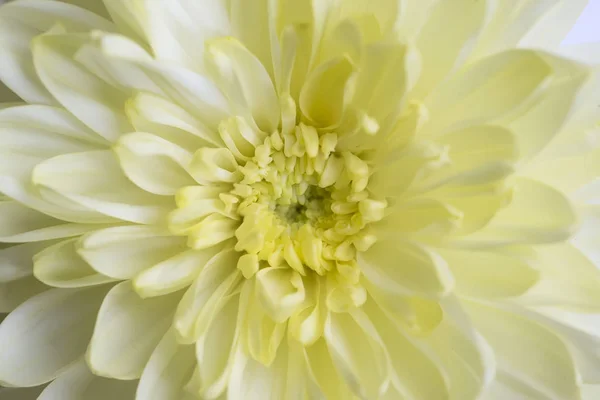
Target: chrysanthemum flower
x,y
295,199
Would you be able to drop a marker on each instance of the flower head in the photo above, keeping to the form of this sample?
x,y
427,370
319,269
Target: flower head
x,y
297,200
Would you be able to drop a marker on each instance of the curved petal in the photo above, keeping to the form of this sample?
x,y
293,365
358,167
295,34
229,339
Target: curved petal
x,y
460,22
205,298
358,353
216,350
154,164
61,266
467,359
322,370
16,262
109,193
174,273
78,383
245,82
406,268
169,368
46,334
21,393
21,224
490,274
527,352
23,20
87,96
568,279
141,324
536,214
281,291
123,252
14,293
44,132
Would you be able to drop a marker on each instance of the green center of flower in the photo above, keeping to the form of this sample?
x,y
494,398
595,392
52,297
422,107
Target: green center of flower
x,y
303,204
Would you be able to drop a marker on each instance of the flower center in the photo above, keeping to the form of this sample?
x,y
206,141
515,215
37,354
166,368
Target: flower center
x,y
303,204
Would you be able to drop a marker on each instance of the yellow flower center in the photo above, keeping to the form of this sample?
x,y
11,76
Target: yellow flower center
x,y
296,202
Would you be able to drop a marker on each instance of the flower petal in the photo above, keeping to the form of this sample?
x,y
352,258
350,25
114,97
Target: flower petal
x,y
14,293
21,22
77,382
421,378
281,291
16,261
357,353
21,393
407,268
466,357
123,252
44,132
500,85
154,164
489,274
323,371
460,22
174,273
567,279
21,224
215,351
109,193
527,352
88,97
169,368
536,214
141,324
61,266
46,334
322,96
245,82
205,298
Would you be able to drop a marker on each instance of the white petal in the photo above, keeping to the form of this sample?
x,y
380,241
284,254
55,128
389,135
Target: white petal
x,y
497,86
588,53
245,82
14,293
123,252
403,267
527,352
88,97
46,334
421,378
78,383
173,274
127,331
21,22
323,371
75,178
154,164
44,131
21,224
61,266
536,214
216,349
490,274
205,298
169,368
459,22
466,357
281,291
357,353
16,262
568,279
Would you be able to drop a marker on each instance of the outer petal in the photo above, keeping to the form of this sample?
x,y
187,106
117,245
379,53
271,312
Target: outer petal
x,y
78,383
169,368
22,20
87,96
16,261
141,325
406,268
527,352
109,193
14,293
46,334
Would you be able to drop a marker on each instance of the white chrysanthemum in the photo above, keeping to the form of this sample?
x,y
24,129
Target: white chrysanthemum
x,y
296,199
